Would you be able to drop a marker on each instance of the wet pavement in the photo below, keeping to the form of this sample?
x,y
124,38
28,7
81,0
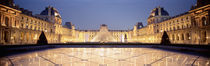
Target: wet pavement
x,y
104,57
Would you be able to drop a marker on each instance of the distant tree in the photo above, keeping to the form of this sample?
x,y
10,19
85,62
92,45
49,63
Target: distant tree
x,y
42,39
165,39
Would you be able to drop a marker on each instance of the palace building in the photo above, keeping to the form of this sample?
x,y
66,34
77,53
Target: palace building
x,y
20,26
191,27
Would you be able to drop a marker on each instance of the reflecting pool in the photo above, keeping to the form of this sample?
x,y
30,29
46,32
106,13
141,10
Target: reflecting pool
x,y
104,57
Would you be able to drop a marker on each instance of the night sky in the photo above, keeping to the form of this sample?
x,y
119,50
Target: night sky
x,y
117,14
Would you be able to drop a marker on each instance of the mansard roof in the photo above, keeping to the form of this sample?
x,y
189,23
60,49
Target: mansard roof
x,y
159,11
50,11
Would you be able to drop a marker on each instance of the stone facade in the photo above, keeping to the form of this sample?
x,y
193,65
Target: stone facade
x,y
192,27
19,26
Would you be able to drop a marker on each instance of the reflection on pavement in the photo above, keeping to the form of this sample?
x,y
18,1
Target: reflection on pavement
x,y
104,57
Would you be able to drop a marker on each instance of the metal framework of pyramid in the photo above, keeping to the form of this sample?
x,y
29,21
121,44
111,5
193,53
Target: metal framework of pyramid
x,y
103,35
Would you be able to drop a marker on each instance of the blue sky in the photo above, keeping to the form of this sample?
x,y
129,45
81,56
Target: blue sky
x,y
117,14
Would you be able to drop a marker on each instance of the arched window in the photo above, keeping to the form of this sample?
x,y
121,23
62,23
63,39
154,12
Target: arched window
x,y
204,21
188,36
177,37
182,36
7,21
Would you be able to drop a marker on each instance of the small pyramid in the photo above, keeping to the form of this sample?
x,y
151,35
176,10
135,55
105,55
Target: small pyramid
x,y
42,39
165,39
